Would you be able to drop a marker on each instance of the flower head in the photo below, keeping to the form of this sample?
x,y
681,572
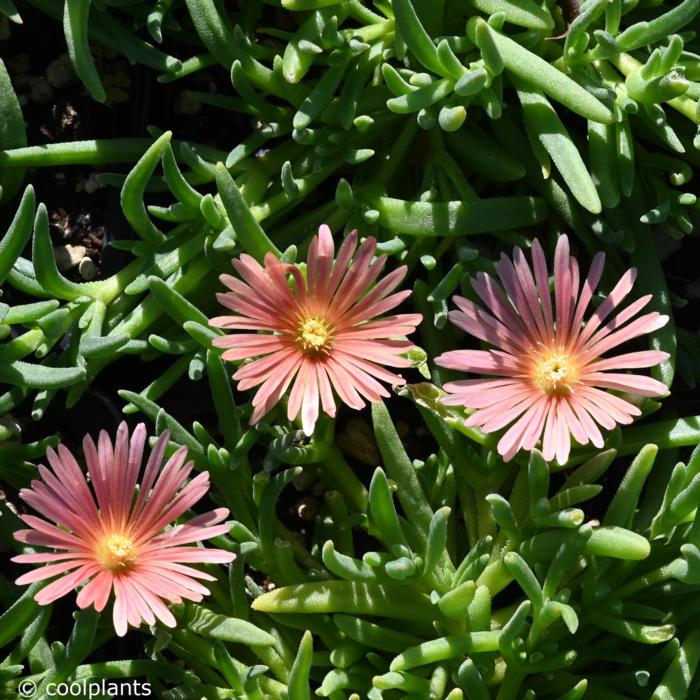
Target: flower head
x,y
321,333
110,534
547,361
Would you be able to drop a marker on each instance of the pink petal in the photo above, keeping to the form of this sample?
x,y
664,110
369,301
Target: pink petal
x,y
96,591
632,383
51,570
499,305
644,324
589,287
520,285
120,613
243,347
539,265
619,292
57,589
325,390
531,421
156,605
587,423
631,360
480,362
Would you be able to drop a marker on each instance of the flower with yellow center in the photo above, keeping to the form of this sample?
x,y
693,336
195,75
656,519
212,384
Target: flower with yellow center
x,y
546,371
109,534
116,552
555,373
319,338
315,336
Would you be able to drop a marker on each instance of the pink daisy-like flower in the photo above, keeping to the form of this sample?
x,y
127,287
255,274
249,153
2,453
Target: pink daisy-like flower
x,y
321,333
550,374
110,534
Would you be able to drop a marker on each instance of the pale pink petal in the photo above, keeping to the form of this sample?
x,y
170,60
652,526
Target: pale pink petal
x,y
258,371
155,462
589,287
572,422
520,286
480,361
325,390
296,395
56,533
587,424
242,347
520,431
641,326
96,591
50,571
539,265
507,410
345,255
358,376
563,290
120,613
385,352
483,396
619,292
320,260
632,383
58,588
498,304
603,418
621,411
137,604
549,446
562,436
44,557
534,423
631,360
159,609
483,326
343,384
309,406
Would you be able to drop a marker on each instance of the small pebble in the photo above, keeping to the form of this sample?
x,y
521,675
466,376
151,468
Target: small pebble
x,y
19,64
68,256
40,90
121,79
60,72
87,269
186,104
357,440
91,185
116,95
307,509
21,81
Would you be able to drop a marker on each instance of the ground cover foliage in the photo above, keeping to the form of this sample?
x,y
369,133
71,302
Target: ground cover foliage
x,y
393,553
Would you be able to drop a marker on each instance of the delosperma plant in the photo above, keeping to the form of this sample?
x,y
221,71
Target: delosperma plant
x,y
405,294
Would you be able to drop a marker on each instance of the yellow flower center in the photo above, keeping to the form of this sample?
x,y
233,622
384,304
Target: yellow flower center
x,y
116,552
315,336
555,373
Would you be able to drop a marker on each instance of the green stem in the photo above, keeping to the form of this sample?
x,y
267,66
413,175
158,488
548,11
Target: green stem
x,y
92,152
627,64
339,473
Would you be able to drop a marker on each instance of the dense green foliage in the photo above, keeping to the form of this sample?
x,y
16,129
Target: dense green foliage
x,y
450,130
